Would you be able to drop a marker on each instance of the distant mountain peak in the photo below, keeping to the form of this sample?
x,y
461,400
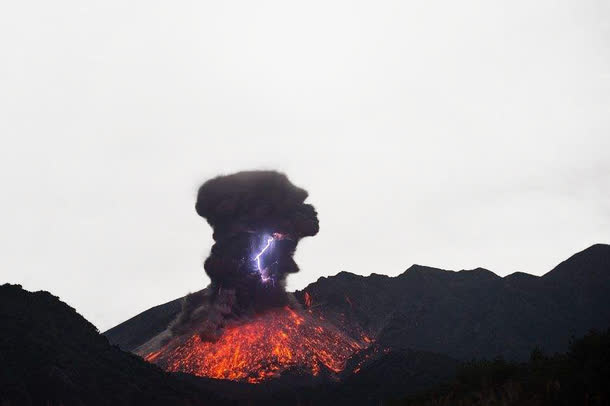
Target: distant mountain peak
x,y
477,273
592,260
416,268
520,275
347,275
480,272
599,246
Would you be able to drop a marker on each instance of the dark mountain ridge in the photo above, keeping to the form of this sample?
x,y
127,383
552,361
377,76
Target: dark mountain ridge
x,y
473,313
466,314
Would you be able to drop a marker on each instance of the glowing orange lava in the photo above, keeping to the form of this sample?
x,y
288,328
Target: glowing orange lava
x,y
262,348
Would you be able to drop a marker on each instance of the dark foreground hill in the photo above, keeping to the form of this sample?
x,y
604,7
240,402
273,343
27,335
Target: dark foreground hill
x,y
465,315
50,355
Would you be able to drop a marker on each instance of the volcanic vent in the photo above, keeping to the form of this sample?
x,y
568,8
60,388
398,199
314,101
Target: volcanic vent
x,y
244,325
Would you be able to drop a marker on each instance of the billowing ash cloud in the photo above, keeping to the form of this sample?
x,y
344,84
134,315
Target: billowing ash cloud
x,y
258,218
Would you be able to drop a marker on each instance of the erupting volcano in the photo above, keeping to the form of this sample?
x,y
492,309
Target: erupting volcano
x,y
272,343
244,325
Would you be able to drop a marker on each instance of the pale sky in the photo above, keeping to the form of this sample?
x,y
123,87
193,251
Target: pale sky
x,y
453,134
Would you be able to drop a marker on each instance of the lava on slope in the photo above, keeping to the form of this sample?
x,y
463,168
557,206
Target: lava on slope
x,y
263,348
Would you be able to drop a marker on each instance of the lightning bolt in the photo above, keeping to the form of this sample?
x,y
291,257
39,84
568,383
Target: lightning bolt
x,y
264,277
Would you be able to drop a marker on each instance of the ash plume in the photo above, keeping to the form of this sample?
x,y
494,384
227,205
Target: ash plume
x,y
258,218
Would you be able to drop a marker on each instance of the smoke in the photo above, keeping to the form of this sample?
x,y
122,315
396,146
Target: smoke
x,y
258,218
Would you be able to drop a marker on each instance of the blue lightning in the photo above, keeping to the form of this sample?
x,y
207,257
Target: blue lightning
x,y
263,271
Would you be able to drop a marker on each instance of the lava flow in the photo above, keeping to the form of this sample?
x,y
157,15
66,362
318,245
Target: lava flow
x,y
262,348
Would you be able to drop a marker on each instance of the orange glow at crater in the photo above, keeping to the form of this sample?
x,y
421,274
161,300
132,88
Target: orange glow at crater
x,y
262,348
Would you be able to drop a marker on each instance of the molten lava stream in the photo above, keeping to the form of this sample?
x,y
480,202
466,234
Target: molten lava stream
x,y
261,349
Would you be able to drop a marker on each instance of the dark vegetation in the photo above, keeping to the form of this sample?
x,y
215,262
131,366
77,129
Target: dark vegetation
x,y
579,377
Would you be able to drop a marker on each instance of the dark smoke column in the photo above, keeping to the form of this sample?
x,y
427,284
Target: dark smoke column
x,y
258,218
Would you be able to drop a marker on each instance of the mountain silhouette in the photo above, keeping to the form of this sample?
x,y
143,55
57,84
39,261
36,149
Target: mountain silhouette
x,y
464,315
424,322
52,356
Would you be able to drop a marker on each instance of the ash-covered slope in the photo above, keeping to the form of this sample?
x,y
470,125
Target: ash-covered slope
x,y
50,355
462,314
136,331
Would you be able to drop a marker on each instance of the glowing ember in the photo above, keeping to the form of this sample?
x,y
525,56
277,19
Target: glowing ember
x,y
308,300
261,349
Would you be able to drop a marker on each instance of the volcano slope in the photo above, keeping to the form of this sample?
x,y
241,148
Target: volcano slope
x,y
464,315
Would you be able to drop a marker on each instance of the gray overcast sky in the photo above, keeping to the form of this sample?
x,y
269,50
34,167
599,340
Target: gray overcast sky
x,y
448,133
